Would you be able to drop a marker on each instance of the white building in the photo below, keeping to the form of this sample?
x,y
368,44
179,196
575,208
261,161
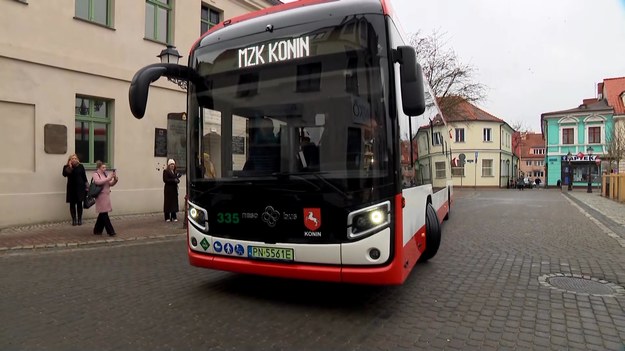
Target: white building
x,y
65,67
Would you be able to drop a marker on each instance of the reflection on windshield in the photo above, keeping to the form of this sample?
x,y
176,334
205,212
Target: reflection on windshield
x,y
321,113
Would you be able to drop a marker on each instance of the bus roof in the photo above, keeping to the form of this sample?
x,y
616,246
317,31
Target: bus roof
x,y
384,5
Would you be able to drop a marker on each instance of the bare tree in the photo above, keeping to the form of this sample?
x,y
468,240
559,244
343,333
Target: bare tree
x,y
520,128
615,144
451,80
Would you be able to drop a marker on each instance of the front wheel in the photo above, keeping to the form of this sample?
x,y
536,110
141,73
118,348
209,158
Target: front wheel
x,y
432,234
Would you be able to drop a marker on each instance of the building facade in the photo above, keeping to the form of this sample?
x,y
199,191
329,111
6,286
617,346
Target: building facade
x,y
530,147
66,67
575,142
480,146
613,90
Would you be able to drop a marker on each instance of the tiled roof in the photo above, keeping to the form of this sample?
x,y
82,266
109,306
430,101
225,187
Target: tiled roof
x,y
596,106
614,88
466,111
530,141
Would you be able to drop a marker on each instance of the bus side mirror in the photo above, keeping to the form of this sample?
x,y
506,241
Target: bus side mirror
x,y
138,92
412,90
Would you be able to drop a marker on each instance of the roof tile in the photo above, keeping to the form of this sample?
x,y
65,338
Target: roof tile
x,y
614,88
465,111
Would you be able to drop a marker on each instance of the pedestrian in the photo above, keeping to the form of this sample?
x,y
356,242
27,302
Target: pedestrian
x,y
520,183
103,201
209,167
171,178
76,187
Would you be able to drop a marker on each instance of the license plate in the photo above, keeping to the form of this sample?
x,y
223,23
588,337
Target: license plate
x,y
270,253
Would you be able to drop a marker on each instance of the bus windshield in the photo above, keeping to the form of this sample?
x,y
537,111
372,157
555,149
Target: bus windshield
x,y
304,102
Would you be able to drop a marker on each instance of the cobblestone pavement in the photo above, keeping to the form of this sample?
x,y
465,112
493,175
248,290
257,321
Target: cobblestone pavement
x,y
63,234
487,289
609,208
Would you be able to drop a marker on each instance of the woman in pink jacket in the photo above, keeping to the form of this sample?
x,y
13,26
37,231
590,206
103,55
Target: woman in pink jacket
x,y
103,201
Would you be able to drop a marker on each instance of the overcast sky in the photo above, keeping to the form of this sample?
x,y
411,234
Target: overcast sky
x,y
534,56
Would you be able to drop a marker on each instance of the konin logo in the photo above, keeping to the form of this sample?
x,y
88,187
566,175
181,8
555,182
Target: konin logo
x,y
312,218
271,216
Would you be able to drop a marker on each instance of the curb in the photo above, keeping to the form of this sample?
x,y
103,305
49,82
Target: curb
x,y
90,243
27,227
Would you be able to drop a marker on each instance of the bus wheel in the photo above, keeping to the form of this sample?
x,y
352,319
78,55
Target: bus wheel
x,y
432,234
448,206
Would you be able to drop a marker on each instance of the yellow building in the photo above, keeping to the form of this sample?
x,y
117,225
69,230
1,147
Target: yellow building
x,y
480,146
65,68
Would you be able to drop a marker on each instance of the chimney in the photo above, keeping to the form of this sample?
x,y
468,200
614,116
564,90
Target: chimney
x,y
600,91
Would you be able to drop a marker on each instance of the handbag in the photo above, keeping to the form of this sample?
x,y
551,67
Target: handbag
x,y
94,189
89,201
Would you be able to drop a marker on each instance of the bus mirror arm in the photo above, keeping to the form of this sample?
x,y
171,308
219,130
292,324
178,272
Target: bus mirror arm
x,y
140,85
412,88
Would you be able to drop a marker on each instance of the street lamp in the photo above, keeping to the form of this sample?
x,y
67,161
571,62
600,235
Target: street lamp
x,y
568,158
589,151
508,167
171,55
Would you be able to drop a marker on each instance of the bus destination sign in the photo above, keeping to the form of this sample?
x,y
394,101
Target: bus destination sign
x,y
283,50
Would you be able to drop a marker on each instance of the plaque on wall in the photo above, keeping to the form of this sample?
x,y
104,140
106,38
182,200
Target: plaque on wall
x,y
177,139
55,138
160,142
238,145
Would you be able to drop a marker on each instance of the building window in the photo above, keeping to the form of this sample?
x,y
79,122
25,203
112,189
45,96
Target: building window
x,y
487,134
539,163
487,168
594,135
440,169
528,163
97,11
437,139
210,17
567,136
158,18
460,135
538,151
93,129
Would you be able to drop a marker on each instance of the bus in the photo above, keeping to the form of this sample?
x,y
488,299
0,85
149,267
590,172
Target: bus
x,y
302,152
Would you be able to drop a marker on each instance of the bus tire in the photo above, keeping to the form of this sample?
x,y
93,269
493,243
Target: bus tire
x,y
432,234
446,218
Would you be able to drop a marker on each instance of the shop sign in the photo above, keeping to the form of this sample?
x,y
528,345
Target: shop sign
x,y
576,158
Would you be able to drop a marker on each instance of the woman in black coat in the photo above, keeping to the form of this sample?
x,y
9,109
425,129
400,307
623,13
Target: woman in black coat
x,y
77,186
171,178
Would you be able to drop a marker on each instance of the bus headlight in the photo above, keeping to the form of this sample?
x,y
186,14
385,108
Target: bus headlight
x,y
368,220
198,216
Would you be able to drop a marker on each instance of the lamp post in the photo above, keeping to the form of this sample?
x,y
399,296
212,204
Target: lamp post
x,y
508,167
171,55
568,158
589,151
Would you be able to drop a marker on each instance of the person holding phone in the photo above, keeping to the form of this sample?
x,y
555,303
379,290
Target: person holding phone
x,y
171,178
77,185
103,202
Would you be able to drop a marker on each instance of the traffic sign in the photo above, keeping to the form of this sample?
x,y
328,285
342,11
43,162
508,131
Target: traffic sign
x,y
462,158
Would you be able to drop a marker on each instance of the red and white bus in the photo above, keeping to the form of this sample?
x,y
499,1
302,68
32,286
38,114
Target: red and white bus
x,y
302,157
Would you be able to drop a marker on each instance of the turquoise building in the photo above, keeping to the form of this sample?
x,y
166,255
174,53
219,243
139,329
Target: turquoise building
x,y
575,142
